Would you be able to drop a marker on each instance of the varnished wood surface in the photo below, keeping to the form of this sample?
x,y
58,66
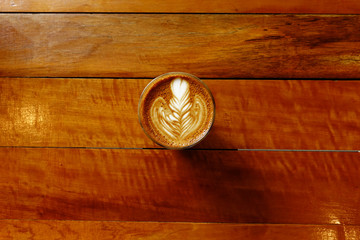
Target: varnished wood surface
x,y
32,230
275,114
189,186
47,190
196,6
207,45
352,232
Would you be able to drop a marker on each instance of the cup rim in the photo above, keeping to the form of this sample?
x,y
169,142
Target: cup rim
x,y
145,90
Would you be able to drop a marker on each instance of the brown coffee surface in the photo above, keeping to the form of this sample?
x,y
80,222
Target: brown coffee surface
x,y
176,110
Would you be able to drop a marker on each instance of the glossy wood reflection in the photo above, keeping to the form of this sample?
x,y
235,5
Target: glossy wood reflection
x,y
250,114
169,6
190,186
147,45
352,232
73,163
71,112
20,229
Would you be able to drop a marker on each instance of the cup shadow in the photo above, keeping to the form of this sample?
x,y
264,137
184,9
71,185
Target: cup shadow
x,y
227,184
215,140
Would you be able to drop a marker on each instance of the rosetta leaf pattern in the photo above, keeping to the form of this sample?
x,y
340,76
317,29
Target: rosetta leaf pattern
x,y
180,117
180,105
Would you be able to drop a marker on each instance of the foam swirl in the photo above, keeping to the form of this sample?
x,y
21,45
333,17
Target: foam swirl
x,y
180,117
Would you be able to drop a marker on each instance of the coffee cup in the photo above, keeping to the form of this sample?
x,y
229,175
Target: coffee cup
x,y
176,110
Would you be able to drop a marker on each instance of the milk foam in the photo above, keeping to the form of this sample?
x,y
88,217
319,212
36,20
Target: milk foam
x,y
181,116
179,88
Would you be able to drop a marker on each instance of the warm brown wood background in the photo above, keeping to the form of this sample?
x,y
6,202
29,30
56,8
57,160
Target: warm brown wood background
x,y
207,45
176,6
281,162
188,186
251,114
24,229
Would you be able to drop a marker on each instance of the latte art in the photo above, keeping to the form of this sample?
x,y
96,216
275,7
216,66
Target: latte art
x,y
176,110
180,117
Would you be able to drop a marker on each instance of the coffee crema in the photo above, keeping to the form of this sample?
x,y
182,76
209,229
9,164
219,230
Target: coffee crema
x,y
176,110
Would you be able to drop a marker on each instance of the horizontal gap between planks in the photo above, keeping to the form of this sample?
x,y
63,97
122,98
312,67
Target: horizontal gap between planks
x,y
192,149
178,222
204,78
190,13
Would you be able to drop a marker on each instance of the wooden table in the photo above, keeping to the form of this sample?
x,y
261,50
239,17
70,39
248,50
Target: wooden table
x,y
281,162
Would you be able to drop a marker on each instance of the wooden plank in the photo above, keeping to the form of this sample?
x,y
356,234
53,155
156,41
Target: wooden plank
x,y
207,45
71,113
352,232
210,6
25,229
250,114
185,186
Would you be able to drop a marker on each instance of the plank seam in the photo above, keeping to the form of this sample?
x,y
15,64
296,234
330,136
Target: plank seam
x,y
204,78
179,222
188,13
192,149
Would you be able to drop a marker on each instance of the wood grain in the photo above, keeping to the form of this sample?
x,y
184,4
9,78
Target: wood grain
x,y
207,45
22,229
352,232
320,115
186,186
198,6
